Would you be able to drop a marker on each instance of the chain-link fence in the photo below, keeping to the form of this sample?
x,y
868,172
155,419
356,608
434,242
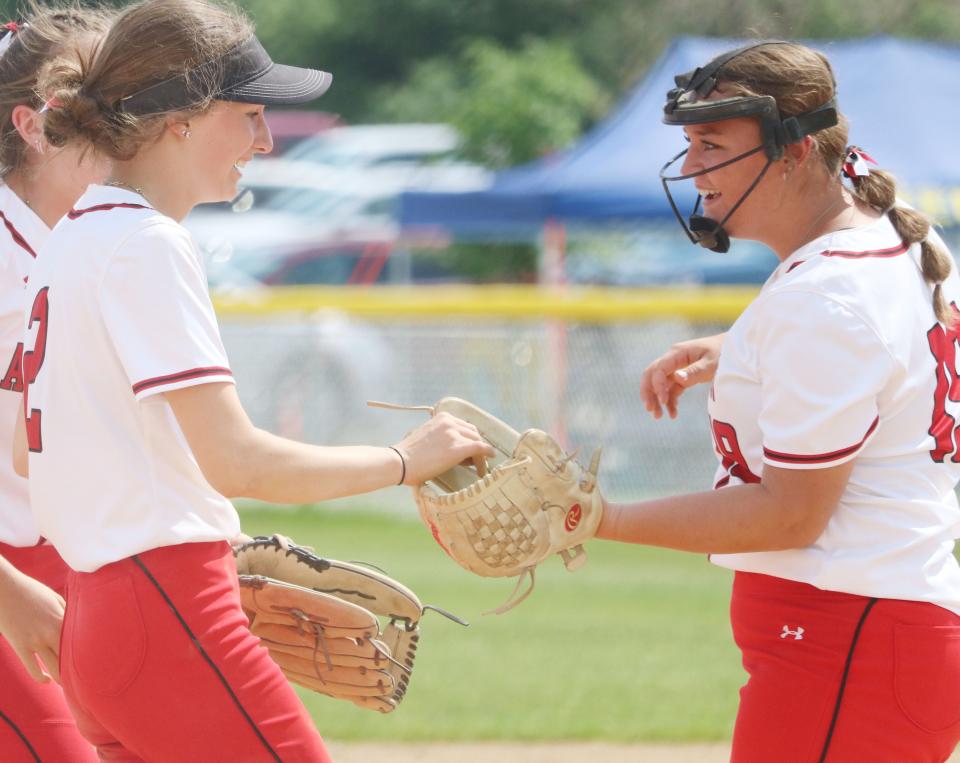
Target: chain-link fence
x,y
309,377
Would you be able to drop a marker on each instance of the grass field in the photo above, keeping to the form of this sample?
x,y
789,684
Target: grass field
x,y
634,647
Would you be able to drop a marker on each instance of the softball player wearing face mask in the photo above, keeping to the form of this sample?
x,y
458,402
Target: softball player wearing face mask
x,y
833,413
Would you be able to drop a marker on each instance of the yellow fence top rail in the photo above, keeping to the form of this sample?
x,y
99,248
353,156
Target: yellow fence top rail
x,y
589,304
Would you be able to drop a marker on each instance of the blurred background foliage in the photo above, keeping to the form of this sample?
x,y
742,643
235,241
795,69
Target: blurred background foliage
x,y
520,78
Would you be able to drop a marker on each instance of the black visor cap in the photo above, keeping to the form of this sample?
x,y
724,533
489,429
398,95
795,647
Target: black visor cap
x,y
252,77
249,76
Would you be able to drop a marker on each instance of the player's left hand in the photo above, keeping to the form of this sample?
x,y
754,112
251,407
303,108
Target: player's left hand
x,y
31,616
338,628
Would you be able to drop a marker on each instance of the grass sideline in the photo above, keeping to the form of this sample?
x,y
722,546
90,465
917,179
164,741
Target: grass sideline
x,y
634,647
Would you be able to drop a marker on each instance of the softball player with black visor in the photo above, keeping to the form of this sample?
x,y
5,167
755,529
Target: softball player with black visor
x,y
135,434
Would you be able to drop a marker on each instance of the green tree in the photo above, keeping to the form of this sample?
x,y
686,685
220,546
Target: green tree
x,y
372,45
432,51
510,106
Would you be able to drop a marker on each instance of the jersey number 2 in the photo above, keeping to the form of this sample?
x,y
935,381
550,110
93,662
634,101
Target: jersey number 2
x,y
31,367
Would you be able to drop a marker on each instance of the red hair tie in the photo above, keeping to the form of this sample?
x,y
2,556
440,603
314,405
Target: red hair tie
x,y
6,38
855,164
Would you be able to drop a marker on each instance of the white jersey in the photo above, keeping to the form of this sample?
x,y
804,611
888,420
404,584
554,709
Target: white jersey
x,y
840,358
118,311
21,235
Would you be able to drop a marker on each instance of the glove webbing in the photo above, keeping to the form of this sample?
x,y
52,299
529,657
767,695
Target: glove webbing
x,y
320,643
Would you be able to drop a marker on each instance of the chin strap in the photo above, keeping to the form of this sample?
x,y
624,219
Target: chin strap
x,y
709,234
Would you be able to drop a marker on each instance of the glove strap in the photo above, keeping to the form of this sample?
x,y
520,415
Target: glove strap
x,y
511,602
573,558
446,614
398,407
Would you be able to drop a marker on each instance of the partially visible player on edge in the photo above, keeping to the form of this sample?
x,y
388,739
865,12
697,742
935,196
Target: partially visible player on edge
x,y
40,183
833,410
133,425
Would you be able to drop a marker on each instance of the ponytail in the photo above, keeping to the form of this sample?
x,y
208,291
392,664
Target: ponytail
x,y
49,31
878,189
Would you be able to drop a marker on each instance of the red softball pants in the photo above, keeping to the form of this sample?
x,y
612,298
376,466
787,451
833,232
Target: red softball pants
x,y
839,678
35,722
158,665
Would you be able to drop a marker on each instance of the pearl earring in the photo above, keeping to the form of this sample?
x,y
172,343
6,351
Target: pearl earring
x,y
186,133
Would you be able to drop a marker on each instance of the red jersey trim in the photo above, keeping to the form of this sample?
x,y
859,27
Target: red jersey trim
x,y
193,373
893,251
73,214
790,458
17,236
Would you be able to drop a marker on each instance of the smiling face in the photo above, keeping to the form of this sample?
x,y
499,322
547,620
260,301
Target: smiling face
x,y
221,142
713,143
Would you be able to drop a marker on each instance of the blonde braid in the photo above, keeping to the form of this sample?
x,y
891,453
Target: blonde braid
x,y
879,190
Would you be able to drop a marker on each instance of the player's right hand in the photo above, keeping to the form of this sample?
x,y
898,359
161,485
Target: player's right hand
x,y
684,365
31,616
438,444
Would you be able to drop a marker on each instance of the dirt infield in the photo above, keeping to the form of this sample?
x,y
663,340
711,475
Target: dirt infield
x,y
496,752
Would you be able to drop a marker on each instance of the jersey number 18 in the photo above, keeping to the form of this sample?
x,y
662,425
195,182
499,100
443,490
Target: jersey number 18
x,y
943,429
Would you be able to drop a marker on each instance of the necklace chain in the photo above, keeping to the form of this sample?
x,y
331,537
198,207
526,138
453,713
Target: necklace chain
x,y
127,186
121,184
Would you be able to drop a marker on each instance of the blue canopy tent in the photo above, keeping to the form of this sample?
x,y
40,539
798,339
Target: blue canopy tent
x,y
898,95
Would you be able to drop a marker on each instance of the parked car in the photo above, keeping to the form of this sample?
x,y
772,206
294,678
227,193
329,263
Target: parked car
x,y
345,262
304,205
379,145
307,376
302,376
289,127
660,254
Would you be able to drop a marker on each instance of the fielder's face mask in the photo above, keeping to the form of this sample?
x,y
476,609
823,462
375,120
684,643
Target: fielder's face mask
x,y
687,105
